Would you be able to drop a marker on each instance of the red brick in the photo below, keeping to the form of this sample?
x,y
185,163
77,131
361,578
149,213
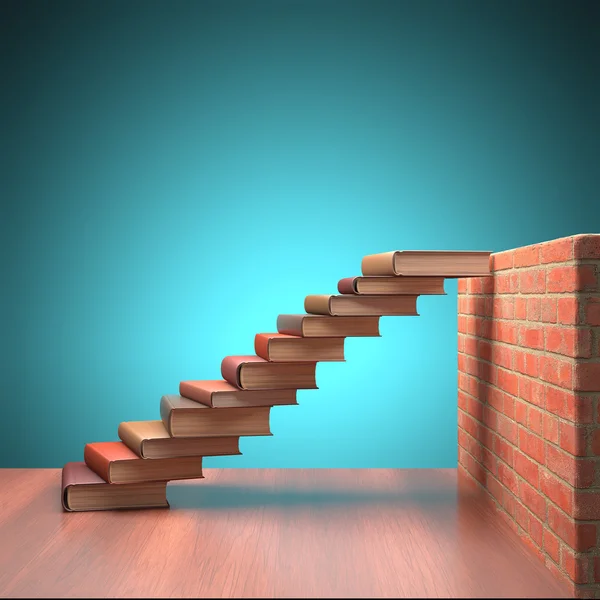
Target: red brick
x,y
505,332
576,566
509,406
461,342
572,279
484,350
548,310
533,500
522,515
557,251
552,545
503,451
475,408
580,536
536,531
586,505
592,312
462,324
532,391
527,256
532,337
507,283
482,327
586,377
532,445
572,438
569,342
534,420
526,468
557,491
556,371
508,478
507,429
471,346
521,412
501,260
508,382
532,281
462,286
596,442
490,462
596,569
578,473
550,424
568,310
521,308
495,489
570,406
526,363
503,356
533,309
586,246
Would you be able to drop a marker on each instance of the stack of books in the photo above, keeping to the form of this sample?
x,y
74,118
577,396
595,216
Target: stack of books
x,y
207,418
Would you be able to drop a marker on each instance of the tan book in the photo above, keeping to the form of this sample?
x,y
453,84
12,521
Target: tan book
x,y
361,305
84,490
150,439
183,417
427,263
256,373
116,463
392,285
327,326
277,347
219,393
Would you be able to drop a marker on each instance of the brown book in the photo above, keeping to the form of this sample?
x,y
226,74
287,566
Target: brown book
x,y
277,347
150,439
327,326
428,263
256,373
347,305
183,417
116,463
221,394
83,490
391,285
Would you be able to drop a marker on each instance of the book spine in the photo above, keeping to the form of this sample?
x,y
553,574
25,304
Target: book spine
x,y
192,392
96,462
290,324
130,439
318,304
261,345
230,370
165,414
347,285
64,485
379,264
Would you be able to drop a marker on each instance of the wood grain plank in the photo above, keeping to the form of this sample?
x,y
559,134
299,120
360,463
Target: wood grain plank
x,y
270,533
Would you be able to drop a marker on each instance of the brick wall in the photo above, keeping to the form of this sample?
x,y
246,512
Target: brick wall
x,y
529,383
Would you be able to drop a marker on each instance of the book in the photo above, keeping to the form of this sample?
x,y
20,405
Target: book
x,y
150,439
183,417
327,326
256,373
221,394
348,305
84,490
391,285
116,463
427,263
278,347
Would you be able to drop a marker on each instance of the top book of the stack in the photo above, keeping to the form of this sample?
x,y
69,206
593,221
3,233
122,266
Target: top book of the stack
x,y
427,263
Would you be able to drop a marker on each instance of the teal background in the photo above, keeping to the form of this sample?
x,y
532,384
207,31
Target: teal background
x,y
177,174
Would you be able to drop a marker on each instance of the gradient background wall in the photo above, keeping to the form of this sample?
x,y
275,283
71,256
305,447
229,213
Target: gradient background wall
x,y
176,174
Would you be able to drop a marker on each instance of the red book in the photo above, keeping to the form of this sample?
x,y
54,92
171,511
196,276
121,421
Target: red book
x,y
116,463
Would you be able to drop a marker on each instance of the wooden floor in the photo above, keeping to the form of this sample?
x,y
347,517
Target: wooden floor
x,y
269,533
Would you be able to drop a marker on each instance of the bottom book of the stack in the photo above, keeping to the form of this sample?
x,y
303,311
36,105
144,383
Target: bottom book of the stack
x,y
84,490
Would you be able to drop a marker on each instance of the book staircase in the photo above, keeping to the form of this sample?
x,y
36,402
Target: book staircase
x,y
207,418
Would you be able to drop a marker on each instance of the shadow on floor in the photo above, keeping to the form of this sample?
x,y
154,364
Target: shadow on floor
x,y
219,497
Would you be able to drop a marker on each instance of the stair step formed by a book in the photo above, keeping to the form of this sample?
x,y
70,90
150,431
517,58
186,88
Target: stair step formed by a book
x,y
208,417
